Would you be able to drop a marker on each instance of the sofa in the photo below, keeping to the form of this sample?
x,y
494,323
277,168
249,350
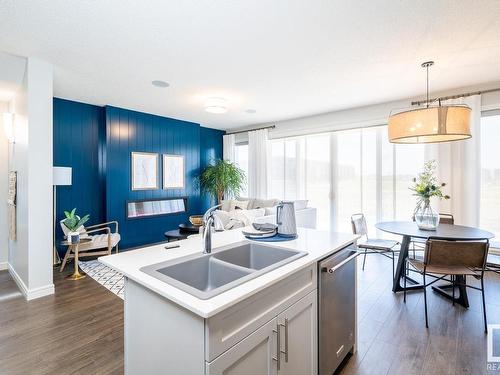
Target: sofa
x,y
240,212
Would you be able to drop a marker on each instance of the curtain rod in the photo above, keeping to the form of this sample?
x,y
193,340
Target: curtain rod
x,y
420,102
249,130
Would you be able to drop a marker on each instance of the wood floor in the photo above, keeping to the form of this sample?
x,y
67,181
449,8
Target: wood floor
x,y
392,335
79,330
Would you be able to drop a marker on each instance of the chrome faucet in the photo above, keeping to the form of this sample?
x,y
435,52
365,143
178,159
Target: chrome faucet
x,y
208,221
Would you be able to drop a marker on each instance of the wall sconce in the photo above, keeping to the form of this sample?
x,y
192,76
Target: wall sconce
x,y
8,126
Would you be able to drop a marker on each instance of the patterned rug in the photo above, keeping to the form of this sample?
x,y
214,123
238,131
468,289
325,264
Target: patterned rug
x,y
107,277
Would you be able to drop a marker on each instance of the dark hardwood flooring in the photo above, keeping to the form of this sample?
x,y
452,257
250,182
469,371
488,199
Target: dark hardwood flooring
x,y
392,335
79,330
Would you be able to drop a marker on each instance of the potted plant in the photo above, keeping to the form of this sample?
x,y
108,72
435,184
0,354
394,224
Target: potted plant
x,y
425,186
74,223
222,179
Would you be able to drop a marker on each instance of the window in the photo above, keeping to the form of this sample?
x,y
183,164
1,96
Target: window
x,y
345,172
489,217
241,160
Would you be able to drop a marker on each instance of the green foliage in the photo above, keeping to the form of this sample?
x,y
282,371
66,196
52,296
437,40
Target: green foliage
x,y
222,179
426,186
73,221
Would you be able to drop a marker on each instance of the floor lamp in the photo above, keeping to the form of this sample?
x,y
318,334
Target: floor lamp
x,y
61,176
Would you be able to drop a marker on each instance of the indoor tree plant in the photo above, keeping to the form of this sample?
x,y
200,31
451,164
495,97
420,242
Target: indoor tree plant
x,y
425,186
222,179
74,222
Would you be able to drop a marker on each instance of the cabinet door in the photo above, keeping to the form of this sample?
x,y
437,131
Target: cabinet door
x,y
298,336
253,355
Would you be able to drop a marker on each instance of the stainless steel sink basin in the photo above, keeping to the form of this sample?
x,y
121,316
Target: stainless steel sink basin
x,y
206,275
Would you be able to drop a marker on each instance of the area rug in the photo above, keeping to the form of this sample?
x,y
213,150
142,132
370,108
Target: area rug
x,y
107,277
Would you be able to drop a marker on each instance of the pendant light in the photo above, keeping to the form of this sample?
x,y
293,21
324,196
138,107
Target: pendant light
x,y
432,124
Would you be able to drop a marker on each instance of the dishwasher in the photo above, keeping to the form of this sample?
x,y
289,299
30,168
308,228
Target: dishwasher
x,y
337,308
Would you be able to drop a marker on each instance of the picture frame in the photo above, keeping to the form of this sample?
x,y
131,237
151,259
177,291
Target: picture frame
x,y
173,171
144,167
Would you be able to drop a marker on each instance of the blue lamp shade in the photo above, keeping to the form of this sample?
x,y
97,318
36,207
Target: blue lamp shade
x,y
61,176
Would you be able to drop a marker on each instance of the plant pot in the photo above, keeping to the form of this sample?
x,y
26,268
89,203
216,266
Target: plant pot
x,y
425,217
73,237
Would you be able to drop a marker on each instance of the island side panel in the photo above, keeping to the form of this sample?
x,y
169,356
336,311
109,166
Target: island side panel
x,y
160,336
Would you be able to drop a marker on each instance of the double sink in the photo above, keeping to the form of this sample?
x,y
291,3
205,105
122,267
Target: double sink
x,y
207,275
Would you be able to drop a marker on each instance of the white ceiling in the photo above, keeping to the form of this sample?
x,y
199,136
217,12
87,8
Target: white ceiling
x,y
284,58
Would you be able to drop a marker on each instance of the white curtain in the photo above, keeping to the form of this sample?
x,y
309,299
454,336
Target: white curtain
x,y
258,150
228,146
459,166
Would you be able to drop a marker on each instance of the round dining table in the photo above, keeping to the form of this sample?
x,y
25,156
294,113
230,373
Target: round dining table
x,y
409,230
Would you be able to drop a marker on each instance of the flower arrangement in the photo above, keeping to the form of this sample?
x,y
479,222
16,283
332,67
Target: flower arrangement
x,y
425,186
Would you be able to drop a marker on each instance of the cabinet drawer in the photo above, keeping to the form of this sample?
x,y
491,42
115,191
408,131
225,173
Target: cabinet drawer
x,y
230,326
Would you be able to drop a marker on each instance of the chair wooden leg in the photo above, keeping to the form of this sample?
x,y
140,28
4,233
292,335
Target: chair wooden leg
x,y
484,306
66,256
364,260
425,303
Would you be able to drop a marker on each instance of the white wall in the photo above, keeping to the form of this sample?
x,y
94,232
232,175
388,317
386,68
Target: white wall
x,y
30,256
371,115
4,235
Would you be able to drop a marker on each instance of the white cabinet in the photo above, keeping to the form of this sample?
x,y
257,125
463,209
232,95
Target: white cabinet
x,y
253,355
293,331
298,336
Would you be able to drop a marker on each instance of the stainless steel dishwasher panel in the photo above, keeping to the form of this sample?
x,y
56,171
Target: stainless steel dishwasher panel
x,y
337,308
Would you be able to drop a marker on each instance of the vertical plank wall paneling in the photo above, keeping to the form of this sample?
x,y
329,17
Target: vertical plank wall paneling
x,y
79,131
97,143
128,131
210,150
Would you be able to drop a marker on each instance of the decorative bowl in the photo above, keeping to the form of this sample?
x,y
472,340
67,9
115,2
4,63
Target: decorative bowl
x,y
196,220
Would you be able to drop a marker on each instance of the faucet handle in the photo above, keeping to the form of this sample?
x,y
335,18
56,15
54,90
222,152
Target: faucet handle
x,y
210,212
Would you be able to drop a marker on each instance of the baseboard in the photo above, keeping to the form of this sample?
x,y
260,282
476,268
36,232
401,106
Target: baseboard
x,y
4,266
34,293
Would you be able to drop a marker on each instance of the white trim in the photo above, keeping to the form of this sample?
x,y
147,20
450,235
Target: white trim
x,y
30,294
4,266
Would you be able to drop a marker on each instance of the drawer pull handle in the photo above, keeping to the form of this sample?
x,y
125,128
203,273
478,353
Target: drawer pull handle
x,y
285,352
278,347
339,352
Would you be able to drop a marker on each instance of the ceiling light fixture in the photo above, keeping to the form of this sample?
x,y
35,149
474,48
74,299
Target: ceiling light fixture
x,y
251,110
158,83
216,105
432,124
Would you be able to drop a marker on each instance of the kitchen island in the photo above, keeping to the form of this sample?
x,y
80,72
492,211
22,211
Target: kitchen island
x,y
267,325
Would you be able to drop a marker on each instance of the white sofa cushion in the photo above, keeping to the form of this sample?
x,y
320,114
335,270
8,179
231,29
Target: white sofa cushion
x,y
232,204
263,203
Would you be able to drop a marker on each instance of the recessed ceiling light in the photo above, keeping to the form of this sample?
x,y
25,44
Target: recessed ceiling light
x,y
216,105
158,83
251,110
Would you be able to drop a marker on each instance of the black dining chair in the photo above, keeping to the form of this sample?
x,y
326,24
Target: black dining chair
x,y
453,259
372,245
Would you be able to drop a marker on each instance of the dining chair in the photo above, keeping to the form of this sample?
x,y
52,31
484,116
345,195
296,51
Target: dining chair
x,y
372,245
451,258
418,244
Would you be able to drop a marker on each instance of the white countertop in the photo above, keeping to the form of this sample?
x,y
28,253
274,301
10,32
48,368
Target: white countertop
x,y
318,244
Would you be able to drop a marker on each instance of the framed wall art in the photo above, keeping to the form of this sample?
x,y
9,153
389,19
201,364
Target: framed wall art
x,y
173,171
144,171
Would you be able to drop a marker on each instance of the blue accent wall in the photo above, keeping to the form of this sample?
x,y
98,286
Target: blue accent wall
x,y
211,149
97,143
79,136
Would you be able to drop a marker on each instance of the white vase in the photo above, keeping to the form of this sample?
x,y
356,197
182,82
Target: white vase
x,y
425,217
